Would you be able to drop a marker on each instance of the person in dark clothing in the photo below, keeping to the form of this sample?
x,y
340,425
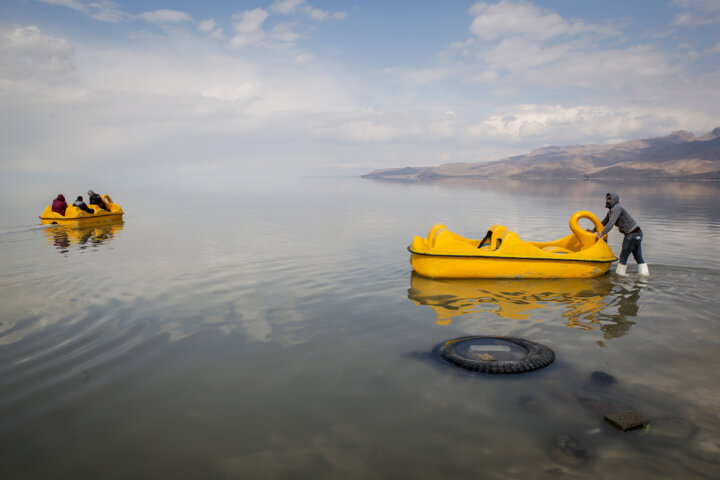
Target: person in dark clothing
x,y
59,205
95,199
81,205
632,243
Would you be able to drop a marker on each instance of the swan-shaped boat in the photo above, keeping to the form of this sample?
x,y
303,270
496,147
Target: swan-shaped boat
x,y
502,254
73,213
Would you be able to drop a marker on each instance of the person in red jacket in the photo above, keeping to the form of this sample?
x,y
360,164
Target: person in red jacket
x,y
59,205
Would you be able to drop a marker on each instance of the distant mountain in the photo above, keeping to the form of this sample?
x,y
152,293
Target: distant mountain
x,y
680,155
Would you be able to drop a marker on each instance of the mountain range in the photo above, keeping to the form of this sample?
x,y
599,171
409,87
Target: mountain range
x,y
680,155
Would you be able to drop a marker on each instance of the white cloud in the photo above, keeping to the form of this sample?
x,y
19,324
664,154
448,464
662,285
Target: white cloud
x,y
284,32
105,11
248,30
304,58
73,4
517,45
515,18
702,12
317,14
519,18
165,16
320,15
533,122
572,64
291,6
127,101
286,6
206,26
26,54
102,10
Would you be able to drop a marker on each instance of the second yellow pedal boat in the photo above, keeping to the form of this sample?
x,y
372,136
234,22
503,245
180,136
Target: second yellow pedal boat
x,y
502,254
74,214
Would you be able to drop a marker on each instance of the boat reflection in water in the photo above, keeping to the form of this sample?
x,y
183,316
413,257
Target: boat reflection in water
x,y
83,234
586,303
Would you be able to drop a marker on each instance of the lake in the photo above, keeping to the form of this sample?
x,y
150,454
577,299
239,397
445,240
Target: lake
x,y
274,329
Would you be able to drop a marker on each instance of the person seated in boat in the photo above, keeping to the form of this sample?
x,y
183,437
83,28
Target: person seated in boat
x,y
95,199
81,205
59,205
632,243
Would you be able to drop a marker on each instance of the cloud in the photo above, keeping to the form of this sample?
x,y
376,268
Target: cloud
x,y
702,12
153,101
304,58
248,30
533,122
73,4
102,10
320,15
286,6
284,32
28,55
519,18
165,16
574,64
516,44
206,26
291,6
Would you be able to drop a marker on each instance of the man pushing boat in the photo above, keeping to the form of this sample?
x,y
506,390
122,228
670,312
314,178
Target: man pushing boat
x,y
632,243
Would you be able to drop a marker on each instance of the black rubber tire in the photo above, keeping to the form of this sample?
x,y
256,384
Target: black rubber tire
x,y
537,356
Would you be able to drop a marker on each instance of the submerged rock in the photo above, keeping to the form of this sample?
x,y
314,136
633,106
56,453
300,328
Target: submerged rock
x,y
602,378
566,450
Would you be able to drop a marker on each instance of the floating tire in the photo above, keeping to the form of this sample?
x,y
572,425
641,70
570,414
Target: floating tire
x,y
490,354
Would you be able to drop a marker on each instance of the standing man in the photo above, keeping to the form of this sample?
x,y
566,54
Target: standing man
x,y
618,216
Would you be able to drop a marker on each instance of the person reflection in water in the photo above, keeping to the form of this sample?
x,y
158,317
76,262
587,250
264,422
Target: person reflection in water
x,y
616,325
618,216
61,241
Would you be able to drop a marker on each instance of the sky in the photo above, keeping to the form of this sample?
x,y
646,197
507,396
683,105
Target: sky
x,y
217,89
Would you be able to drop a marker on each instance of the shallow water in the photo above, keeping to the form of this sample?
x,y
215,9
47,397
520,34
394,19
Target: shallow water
x,y
277,331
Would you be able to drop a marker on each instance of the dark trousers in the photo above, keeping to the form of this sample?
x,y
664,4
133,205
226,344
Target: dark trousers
x,y
632,243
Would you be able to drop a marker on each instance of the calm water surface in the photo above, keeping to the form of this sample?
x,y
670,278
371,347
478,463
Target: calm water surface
x,y
276,331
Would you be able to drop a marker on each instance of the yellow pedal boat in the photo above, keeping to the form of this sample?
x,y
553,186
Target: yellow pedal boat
x,y
502,254
73,213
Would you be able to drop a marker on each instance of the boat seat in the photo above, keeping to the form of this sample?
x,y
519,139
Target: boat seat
x,y
493,239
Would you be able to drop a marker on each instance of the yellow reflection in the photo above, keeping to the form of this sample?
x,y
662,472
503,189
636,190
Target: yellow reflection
x,y
581,299
83,234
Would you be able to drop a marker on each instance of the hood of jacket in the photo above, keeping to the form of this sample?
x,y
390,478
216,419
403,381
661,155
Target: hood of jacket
x,y
614,199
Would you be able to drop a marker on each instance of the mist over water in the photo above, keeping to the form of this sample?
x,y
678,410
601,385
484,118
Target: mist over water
x,y
275,329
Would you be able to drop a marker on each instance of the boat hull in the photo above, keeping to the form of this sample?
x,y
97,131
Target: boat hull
x,y
447,266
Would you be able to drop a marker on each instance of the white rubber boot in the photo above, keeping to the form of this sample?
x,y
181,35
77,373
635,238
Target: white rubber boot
x,y
621,269
643,269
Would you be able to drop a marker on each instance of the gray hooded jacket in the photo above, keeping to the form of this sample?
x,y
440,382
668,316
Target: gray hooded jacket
x,y
617,215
